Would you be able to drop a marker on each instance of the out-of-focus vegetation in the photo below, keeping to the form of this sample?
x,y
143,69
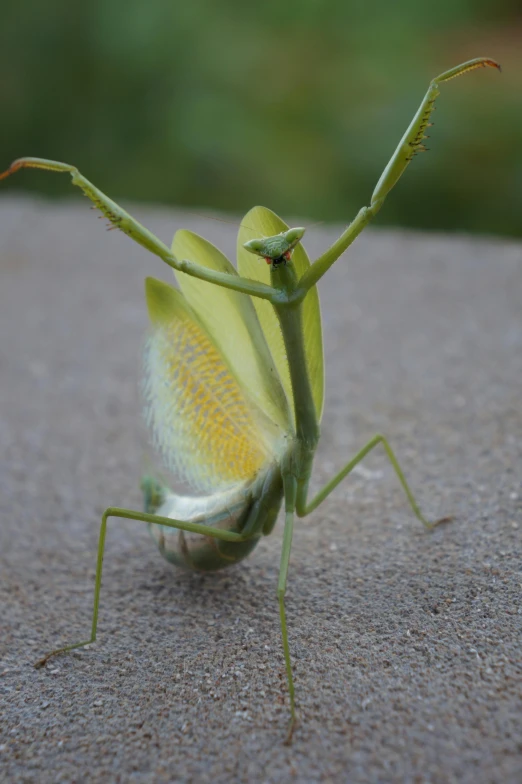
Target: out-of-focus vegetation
x,y
294,105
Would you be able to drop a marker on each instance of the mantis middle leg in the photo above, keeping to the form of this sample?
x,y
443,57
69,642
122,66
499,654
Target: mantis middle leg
x,y
129,514
303,508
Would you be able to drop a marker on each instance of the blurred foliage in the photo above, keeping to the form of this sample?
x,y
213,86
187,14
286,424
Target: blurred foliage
x,y
294,105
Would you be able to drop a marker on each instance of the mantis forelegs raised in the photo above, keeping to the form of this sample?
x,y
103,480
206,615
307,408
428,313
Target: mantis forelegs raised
x,y
303,508
409,145
122,220
129,514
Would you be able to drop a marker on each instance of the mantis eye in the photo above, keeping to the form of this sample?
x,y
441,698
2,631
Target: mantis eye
x,y
293,236
255,246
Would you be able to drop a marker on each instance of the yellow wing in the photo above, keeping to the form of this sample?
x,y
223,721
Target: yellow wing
x,y
230,318
206,428
261,222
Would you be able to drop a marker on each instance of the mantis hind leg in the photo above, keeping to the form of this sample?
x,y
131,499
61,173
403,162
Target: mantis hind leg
x,y
303,508
290,497
129,514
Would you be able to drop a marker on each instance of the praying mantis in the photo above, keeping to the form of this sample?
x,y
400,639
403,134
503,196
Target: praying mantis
x,y
234,381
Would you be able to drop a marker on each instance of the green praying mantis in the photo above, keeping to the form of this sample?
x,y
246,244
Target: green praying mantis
x,y
235,381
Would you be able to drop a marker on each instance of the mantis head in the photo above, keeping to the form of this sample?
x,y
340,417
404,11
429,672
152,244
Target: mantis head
x,y
276,250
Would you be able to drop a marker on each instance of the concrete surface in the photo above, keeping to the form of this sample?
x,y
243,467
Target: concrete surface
x,y
406,644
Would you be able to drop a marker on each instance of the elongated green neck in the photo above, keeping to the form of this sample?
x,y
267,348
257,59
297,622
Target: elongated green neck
x,y
290,318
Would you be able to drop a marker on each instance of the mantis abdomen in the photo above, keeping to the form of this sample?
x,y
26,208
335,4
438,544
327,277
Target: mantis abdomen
x,y
246,508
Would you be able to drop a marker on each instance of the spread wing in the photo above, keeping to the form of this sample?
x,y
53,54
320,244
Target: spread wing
x,y
231,320
208,430
261,222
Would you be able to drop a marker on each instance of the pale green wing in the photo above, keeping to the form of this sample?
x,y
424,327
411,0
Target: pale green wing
x,y
261,222
208,431
231,320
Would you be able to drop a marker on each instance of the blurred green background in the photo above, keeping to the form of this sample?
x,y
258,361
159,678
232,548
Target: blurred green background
x,y
297,106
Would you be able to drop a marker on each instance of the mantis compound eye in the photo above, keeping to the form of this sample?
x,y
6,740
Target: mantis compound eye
x,y
293,236
255,246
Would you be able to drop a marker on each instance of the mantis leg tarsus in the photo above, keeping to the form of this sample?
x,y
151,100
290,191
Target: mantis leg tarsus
x,y
130,514
43,661
440,521
303,508
37,163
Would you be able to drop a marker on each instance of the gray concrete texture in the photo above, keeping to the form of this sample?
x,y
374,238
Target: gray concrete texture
x,y
406,644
